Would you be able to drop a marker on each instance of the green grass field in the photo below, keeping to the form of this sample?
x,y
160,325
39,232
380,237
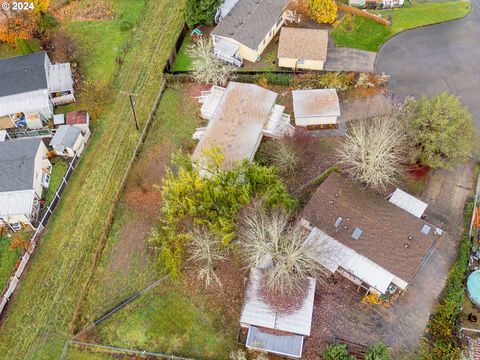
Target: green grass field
x,y
8,258
369,35
8,51
59,168
183,61
43,313
170,322
171,129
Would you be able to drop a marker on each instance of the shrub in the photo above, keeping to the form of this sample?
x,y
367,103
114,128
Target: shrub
x,y
23,46
378,351
125,25
281,154
283,79
211,202
323,11
46,22
337,352
441,341
337,80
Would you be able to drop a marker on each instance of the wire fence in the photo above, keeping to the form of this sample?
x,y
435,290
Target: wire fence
x,y
113,349
44,217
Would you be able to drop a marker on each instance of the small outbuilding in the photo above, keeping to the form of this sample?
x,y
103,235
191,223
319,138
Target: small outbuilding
x,y
316,109
68,141
302,48
277,332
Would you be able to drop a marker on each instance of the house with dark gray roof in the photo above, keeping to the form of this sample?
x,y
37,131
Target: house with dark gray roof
x,y
30,86
24,174
248,28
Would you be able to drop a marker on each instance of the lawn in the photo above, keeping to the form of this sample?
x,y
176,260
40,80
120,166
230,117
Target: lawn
x,y
8,51
369,35
8,258
126,266
45,310
59,168
183,61
169,321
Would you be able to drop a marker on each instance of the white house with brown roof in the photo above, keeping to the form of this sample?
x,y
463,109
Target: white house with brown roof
x,y
239,116
366,238
302,48
277,332
248,28
316,108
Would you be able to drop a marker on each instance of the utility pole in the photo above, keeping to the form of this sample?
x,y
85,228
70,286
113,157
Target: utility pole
x,y
132,104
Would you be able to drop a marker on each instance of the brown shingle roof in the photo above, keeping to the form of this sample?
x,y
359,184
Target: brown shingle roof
x,y
307,44
385,228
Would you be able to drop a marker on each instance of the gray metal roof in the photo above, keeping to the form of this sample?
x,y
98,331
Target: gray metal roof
x,y
285,344
17,164
66,136
250,21
22,74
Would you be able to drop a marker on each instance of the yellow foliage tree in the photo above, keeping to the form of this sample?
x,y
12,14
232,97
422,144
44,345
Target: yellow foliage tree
x,y
323,11
21,24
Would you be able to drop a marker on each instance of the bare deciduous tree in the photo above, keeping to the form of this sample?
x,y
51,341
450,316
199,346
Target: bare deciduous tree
x,y
271,240
206,253
207,68
374,149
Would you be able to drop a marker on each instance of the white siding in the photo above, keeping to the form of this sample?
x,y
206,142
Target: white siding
x,y
316,120
332,255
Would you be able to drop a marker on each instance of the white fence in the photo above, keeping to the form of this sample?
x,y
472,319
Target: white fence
x,y
13,281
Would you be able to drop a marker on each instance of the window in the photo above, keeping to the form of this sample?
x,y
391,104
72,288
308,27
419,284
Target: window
x,y
45,179
301,61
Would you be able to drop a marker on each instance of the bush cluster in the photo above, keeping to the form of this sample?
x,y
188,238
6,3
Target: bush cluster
x,y
441,341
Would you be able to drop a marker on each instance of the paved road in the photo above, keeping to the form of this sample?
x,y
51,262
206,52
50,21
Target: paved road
x,y
444,57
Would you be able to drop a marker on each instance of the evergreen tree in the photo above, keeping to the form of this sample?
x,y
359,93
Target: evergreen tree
x,y
201,11
442,131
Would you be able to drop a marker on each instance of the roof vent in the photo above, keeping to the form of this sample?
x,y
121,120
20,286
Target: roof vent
x,y
410,237
426,229
406,245
357,233
337,222
336,194
438,232
330,202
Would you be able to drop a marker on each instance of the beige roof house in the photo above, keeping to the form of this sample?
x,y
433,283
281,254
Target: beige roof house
x,y
302,48
316,107
240,115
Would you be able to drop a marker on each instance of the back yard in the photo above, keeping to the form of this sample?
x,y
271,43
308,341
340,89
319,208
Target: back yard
x,y
45,310
368,35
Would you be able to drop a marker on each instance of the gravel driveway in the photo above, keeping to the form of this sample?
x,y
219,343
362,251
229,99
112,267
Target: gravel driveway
x,y
443,57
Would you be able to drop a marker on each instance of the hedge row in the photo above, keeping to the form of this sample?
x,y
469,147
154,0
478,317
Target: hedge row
x,y
441,341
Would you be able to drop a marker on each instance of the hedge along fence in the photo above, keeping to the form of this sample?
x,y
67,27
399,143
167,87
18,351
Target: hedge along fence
x,y
362,13
441,341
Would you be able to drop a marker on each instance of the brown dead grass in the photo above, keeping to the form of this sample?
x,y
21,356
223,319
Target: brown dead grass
x,y
143,199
